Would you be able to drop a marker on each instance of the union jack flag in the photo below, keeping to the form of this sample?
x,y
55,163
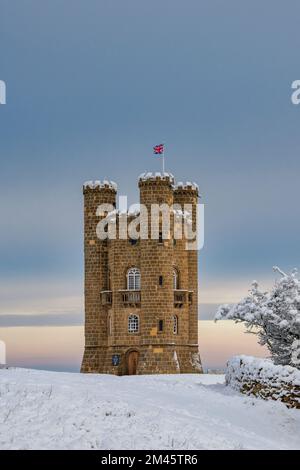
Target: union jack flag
x,y
158,149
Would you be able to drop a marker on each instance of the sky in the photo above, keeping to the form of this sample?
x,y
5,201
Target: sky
x,y
92,86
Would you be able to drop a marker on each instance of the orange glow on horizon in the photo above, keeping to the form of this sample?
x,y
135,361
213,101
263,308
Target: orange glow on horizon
x,y
62,347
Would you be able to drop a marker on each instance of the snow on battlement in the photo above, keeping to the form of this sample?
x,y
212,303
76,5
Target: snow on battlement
x,y
187,185
105,184
153,176
147,176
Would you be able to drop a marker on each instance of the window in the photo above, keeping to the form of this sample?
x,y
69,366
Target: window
x,y
109,325
175,279
133,323
175,324
160,280
160,325
160,237
133,279
108,280
133,241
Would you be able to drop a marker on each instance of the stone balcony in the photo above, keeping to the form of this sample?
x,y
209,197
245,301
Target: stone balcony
x,y
106,297
181,297
130,298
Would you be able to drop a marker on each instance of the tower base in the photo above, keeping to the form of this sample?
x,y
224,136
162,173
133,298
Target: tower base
x,y
147,359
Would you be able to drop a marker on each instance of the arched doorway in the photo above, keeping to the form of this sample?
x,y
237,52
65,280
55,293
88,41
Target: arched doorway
x,y
132,359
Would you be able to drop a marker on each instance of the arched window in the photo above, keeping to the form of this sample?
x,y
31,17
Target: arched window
x,y
133,323
175,279
175,324
133,279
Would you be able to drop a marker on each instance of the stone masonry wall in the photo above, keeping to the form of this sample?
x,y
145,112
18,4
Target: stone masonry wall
x,y
159,351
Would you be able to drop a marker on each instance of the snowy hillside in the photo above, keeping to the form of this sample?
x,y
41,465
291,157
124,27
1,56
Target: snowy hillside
x,y
52,410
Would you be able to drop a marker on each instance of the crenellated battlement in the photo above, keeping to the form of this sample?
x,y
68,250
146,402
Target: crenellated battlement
x,y
97,185
156,177
146,177
185,187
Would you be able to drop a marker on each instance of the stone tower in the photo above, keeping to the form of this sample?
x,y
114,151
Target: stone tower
x,y
141,296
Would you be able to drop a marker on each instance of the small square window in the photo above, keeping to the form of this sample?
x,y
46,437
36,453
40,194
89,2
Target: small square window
x,y
133,241
160,280
160,325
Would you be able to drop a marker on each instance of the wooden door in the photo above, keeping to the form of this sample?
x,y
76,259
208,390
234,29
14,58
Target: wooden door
x,y
132,362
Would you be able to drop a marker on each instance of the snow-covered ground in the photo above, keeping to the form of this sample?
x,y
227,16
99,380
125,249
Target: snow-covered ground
x,y
53,410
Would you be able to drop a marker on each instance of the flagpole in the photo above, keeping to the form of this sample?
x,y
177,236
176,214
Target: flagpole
x,y
163,159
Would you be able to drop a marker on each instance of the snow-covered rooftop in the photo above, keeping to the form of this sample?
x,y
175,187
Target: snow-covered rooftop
x,y
100,184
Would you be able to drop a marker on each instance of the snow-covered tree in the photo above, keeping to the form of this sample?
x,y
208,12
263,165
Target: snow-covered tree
x,y
274,316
